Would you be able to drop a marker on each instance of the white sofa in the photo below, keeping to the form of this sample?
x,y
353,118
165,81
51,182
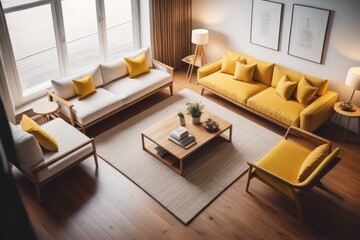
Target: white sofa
x,y
39,165
115,90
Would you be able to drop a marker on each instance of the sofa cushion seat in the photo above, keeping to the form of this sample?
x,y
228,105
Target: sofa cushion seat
x,y
287,168
238,91
94,106
130,89
273,105
67,137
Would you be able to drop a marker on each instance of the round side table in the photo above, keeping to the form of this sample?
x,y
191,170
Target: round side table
x,y
350,115
45,109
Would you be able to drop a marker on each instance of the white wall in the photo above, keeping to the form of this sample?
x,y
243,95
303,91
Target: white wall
x,y
228,22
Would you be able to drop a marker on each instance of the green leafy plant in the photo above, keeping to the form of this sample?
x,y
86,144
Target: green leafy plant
x,y
194,109
180,114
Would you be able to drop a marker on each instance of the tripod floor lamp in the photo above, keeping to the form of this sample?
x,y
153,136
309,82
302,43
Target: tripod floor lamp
x,y
199,37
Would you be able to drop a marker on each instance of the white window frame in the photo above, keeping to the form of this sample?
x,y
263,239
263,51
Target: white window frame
x,y
59,30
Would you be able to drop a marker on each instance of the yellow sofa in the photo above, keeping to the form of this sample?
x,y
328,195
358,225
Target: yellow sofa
x,y
260,96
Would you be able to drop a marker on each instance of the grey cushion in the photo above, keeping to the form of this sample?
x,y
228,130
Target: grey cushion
x,y
27,148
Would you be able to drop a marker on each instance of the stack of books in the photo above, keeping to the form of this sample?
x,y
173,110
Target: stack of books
x,y
182,137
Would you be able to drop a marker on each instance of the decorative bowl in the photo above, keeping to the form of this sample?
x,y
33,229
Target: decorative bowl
x,y
210,125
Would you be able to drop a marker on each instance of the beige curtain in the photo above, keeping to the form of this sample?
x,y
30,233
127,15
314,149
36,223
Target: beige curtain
x,y
171,30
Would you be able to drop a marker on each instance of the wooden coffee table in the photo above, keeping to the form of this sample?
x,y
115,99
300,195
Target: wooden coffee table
x,y
158,135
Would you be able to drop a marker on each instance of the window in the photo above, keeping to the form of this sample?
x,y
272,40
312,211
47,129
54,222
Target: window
x,y
53,39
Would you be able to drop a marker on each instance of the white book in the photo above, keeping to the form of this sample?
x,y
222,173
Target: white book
x,y
179,133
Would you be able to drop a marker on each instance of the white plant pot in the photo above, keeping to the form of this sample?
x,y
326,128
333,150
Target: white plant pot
x,y
181,121
196,120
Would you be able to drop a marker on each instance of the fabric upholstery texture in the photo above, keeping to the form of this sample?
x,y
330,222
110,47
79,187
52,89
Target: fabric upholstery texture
x,y
285,87
44,139
264,70
84,86
228,64
137,66
295,76
113,70
94,106
270,103
65,88
312,161
304,92
27,148
68,137
209,69
285,161
244,72
231,88
130,89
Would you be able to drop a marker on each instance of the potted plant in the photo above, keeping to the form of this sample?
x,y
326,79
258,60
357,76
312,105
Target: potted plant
x,y
181,118
195,109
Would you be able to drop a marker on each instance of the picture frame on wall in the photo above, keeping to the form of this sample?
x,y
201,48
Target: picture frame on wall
x,y
308,32
265,23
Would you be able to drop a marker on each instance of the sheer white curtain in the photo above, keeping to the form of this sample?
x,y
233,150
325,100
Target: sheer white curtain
x,y
4,86
5,94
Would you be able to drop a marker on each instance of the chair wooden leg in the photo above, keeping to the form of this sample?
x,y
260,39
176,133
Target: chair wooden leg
x,y
249,178
298,206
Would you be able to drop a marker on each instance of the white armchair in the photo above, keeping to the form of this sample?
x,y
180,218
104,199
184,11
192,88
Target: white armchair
x,y
40,166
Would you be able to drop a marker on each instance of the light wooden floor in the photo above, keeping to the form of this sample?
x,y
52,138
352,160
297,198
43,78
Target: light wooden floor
x,y
86,203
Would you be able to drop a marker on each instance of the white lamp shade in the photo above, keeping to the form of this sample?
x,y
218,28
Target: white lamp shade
x,y
353,78
200,36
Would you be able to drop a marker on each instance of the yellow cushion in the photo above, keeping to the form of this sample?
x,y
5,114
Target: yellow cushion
x,y
225,84
44,139
137,66
229,62
294,76
244,72
285,87
284,161
305,92
313,160
233,53
84,86
263,71
271,104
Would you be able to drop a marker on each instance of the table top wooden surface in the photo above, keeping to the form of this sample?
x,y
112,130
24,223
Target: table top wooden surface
x,y
160,132
46,108
355,113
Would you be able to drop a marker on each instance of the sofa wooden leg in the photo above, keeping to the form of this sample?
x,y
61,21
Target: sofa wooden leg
x,y
202,91
37,189
95,155
171,90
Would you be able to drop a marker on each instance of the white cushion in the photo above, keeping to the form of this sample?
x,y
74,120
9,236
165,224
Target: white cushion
x,y
113,70
67,138
131,89
65,88
27,148
94,106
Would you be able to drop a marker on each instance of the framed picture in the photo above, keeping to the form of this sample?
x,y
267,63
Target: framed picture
x,y
307,32
265,23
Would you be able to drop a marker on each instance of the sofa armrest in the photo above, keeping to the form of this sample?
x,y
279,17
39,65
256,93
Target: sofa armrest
x,y
52,96
209,68
318,111
163,67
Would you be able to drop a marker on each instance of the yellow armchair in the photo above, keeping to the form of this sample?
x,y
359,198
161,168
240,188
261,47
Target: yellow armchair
x,y
282,166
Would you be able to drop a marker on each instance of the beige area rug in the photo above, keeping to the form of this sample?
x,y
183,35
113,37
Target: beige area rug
x,y
207,173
